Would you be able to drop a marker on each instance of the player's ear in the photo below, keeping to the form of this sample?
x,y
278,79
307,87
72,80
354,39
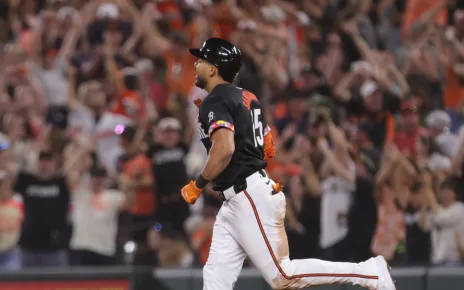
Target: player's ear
x,y
213,71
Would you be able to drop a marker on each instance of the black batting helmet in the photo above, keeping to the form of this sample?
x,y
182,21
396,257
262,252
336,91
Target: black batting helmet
x,y
223,54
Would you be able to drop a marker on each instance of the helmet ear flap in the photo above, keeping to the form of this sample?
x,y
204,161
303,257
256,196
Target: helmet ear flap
x,y
229,73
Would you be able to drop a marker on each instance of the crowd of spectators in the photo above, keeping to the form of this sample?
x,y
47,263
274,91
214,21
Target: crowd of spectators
x,y
99,128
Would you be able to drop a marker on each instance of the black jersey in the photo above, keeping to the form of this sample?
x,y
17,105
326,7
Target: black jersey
x,y
228,106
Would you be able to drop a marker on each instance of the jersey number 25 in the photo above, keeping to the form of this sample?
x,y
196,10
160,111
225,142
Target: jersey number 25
x,y
257,127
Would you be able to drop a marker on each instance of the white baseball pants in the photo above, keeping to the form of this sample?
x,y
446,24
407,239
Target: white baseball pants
x,y
252,223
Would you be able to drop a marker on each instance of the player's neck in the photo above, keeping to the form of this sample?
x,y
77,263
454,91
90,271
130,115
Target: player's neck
x,y
213,83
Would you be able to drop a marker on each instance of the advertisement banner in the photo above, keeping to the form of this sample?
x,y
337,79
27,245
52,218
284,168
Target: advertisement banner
x,y
113,284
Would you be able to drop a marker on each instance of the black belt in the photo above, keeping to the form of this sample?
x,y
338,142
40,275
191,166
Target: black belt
x,y
241,186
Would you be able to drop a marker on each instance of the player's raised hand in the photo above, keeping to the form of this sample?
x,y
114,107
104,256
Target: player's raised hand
x,y
191,192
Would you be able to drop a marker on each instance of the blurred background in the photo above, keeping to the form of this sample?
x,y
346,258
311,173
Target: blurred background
x,y
99,131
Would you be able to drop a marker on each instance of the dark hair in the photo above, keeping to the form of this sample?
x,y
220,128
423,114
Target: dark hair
x,y
400,5
131,82
58,140
449,183
45,155
11,91
98,171
128,133
163,27
416,187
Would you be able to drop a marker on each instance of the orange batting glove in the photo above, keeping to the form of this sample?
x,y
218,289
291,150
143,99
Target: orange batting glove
x,y
277,187
191,192
269,147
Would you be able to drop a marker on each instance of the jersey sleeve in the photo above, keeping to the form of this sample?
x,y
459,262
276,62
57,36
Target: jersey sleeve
x,y
217,116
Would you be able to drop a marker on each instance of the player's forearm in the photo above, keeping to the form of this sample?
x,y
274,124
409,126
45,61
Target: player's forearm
x,y
218,159
220,154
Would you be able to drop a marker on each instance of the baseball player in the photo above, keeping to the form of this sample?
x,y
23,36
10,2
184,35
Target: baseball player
x,y
251,219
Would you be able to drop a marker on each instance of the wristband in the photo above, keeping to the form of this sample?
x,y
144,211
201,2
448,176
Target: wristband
x,y
201,182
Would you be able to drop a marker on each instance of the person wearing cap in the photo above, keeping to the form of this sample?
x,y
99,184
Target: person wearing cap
x,y
108,20
439,123
439,164
46,194
167,154
239,141
376,106
95,218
